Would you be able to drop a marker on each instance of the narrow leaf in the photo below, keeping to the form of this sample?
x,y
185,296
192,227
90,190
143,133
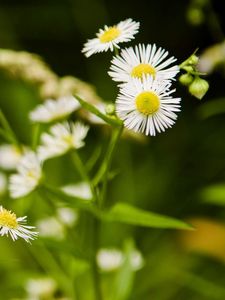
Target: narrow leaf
x,y
128,214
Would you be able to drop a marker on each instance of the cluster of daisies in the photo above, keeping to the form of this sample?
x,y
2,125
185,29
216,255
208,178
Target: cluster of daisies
x,y
61,137
144,75
145,104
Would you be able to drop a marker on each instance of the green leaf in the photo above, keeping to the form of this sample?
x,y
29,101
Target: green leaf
x,y
128,214
214,194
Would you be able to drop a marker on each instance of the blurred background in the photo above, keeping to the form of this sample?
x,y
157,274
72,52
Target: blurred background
x,y
180,173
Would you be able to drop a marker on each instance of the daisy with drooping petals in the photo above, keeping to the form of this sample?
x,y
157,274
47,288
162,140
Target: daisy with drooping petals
x,y
110,37
28,177
62,138
146,106
53,110
13,226
141,61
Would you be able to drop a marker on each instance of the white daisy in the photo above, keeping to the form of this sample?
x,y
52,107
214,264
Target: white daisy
x,y
67,216
51,227
111,259
146,106
40,288
110,37
142,60
52,110
62,138
13,226
10,156
28,176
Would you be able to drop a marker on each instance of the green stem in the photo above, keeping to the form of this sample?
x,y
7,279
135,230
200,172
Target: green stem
x,y
35,135
106,164
82,170
8,130
46,260
96,276
110,120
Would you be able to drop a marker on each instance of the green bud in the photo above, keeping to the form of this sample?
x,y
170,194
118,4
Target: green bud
x,y
186,79
195,16
198,87
193,60
110,109
189,69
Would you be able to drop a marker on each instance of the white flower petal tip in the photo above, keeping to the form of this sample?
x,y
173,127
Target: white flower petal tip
x,y
52,110
62,137
15,227
146,105
109,37
142,60
28,176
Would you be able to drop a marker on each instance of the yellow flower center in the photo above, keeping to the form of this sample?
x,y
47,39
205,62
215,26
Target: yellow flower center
x,y
109,35
143,69
8,219
68,139
147,103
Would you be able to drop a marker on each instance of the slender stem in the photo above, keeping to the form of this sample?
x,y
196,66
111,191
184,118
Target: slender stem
x,y
35,136
47,261
96,276
8,130
105,167
110,120
82,170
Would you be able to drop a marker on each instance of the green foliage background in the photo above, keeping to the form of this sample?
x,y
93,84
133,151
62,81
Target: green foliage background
x,y
169,174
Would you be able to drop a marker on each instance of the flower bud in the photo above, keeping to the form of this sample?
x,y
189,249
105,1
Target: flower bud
x,y
110,109
189,69
193,60
198,87
186,79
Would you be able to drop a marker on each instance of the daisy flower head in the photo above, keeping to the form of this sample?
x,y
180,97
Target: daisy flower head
x,y
10,156
146,105
28,176
52,110
62,138
15,227
141,60
111,36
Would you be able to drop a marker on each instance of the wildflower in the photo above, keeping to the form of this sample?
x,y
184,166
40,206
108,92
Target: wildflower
x,y
145,105
51,227
41,288
67,216
111,259
10,224
28,176
110,37
10,156
81,189
53,110
141,61
62,138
